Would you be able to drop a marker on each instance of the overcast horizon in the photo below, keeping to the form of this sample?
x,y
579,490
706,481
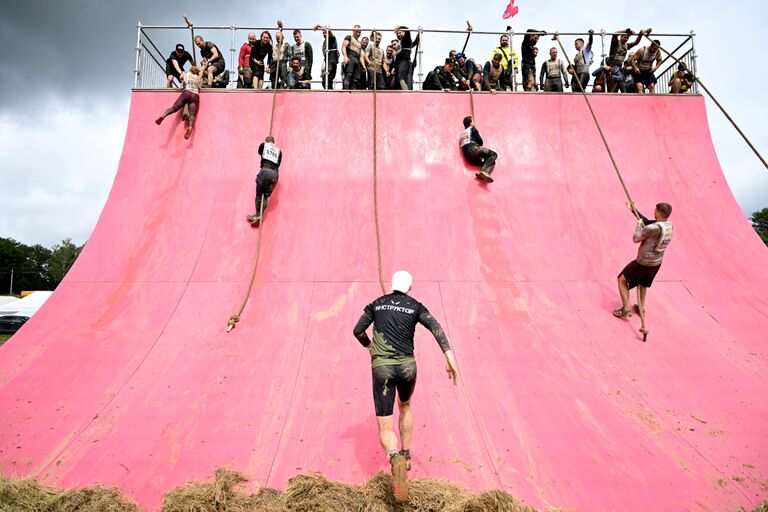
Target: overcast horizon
x,y
63,119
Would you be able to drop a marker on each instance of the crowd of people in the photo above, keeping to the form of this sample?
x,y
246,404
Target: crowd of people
x,y
367,64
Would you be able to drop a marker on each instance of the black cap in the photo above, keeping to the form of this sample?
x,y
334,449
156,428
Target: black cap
x,y
449,61
179,47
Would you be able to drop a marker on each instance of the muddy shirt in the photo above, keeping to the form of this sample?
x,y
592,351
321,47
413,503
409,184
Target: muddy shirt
x,y
394,318
654,238
207,51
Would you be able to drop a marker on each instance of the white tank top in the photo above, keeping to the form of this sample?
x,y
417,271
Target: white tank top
x,y
646,61
465,137
665,237
270,153
191,82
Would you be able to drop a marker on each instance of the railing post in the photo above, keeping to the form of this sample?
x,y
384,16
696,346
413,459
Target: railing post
x,y
603,56
510,35
326,82
420,52
693,62
138,51
233,68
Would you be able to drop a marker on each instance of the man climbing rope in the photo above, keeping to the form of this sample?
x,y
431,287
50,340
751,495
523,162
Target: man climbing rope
x,y
189,96
654,237
394,318
472,146
271,156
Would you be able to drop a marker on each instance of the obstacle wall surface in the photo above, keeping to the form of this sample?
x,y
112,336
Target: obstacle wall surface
x,y
127,376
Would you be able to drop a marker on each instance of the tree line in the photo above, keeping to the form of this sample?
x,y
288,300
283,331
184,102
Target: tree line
x,y
759,221
34,267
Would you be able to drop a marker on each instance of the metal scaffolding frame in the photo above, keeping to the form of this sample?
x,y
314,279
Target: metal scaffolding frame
x,y
149,71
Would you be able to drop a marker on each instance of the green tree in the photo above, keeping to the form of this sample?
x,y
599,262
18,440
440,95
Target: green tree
x,y
63,255
759,221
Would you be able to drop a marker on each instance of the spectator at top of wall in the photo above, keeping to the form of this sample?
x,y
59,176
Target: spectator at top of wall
x,y
581,62
441,78
331,65
553,75
403,57
620,45
645,62
493,74
213,60
298,77
509,60
244,72
281,57
174,64
529,52
681,80
302,49
261,58
463,70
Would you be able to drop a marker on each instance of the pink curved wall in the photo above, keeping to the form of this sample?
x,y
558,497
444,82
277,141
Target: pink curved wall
x,y
127,377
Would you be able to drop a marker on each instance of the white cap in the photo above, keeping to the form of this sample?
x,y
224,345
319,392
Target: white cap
x,y
401,281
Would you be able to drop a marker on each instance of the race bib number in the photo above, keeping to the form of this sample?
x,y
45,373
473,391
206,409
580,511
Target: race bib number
x,y
270,153
465,138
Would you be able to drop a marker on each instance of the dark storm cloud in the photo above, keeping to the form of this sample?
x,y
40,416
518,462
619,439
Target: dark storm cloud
x,y
82,51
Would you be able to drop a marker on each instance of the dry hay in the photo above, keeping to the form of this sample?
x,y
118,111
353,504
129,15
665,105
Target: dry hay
x,y
29,496
305,493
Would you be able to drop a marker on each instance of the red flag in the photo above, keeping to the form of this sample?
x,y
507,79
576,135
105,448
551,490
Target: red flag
x,y
511,10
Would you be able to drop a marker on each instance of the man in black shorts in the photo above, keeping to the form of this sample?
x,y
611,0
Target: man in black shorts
x,y
213,61
394,318
654,237
174,64
472,146
266,180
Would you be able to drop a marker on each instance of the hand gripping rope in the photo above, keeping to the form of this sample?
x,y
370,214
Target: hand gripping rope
x,y
641,302
236,317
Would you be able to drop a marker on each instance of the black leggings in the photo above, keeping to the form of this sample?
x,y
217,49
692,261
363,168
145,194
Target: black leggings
x,y
186,98
265,185
482,156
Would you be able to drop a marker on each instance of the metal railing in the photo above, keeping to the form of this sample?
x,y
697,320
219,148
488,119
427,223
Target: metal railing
x,y
150,64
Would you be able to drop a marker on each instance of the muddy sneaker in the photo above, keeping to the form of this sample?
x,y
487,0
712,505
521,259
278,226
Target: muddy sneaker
x,y
399,477
159,119
407,456
188,133
483,175
254,219
621,313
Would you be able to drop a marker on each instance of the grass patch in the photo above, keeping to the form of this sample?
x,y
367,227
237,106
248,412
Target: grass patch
x,y
4,338
763,507
306,493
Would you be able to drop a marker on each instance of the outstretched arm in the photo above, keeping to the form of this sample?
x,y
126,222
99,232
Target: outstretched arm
x,y
428,321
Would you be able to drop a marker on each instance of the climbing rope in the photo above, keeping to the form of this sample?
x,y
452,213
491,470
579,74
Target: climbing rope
x,y
725,113
236,317
472,105
599,129
375,175
641,308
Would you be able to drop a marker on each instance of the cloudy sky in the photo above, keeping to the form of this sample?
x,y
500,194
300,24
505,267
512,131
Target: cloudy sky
x,y
69,65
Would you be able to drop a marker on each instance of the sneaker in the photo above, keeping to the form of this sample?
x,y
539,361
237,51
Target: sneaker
x,y
159,119
483,175
399,477
188,133
254,219
622,313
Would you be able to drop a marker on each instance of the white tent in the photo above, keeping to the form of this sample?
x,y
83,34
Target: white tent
x,y
6,300
27,306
